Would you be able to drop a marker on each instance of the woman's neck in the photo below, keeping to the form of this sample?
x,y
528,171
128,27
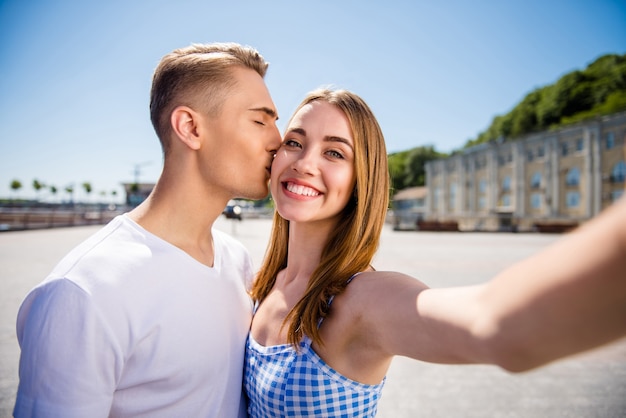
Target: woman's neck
x,y
305,247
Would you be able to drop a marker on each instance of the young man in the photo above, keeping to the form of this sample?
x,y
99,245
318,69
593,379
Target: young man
x,y
149,316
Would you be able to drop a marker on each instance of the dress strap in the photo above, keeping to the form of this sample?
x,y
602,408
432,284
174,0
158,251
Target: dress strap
x,y
353,276
330,299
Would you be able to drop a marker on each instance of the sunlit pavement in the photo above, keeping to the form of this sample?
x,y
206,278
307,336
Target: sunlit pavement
x,y
588,385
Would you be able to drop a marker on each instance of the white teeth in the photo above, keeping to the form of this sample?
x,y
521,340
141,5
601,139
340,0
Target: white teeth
x,y
301,190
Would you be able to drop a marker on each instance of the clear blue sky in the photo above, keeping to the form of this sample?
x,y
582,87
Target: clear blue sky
x,y
75,75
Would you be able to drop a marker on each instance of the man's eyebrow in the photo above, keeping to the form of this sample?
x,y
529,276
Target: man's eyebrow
x,y
270,112
302,132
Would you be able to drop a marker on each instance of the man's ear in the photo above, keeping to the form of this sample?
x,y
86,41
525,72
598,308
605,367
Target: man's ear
x,y
184,122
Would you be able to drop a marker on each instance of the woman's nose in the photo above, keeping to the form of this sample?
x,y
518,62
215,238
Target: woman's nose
x,y
305,164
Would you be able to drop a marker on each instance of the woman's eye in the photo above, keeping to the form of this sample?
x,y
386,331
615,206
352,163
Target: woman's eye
x,y
335,154
291,143
259,122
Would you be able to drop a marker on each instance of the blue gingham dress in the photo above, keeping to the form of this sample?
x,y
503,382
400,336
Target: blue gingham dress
x,y
281,381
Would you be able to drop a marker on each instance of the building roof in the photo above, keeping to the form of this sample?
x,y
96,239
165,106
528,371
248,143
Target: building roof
x,y
411,193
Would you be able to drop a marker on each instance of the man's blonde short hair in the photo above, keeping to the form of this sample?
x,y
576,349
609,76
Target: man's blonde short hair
x,y
198,76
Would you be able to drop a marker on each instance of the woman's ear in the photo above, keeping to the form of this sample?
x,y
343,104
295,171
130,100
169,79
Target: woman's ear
x,y
184,122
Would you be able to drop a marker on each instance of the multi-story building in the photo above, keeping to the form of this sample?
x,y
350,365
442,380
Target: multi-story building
x,y
551,180
137,192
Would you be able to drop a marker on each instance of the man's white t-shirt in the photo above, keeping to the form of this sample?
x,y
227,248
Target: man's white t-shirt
x,y
130,325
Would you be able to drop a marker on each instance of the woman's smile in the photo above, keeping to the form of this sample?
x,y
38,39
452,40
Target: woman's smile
x,y
300,189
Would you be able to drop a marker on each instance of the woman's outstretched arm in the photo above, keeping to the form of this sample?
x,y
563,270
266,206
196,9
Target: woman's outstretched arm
x,y
566,299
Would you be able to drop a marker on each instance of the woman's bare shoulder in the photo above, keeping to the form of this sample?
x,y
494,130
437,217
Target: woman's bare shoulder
x,y
374,279
372,290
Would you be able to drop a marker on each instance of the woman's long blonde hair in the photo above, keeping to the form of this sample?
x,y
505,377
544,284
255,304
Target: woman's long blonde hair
x,y
353,243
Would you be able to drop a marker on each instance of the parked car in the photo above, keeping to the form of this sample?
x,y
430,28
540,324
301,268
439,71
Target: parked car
x,y
232,210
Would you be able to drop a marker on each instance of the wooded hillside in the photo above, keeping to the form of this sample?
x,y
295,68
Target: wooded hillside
x,y
599,89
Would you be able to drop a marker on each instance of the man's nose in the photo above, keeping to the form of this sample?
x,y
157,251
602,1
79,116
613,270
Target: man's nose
x,y
275,140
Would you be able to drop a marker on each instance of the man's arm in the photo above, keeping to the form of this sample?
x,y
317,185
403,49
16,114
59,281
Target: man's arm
x,y
68,364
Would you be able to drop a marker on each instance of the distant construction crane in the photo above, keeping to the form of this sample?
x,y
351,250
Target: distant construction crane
x,y
137,170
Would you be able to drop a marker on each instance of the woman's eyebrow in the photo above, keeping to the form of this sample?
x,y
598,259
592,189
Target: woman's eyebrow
x,y
298,131
329,138
338,139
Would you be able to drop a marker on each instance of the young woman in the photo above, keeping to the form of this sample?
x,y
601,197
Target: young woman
x,y
327,325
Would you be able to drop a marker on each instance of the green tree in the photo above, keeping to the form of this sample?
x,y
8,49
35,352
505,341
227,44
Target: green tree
x,y
608,75
414,171
70,191
407,168
615,102
37,185
87,187
578,95
547,110
53,190
397,162
524,116
16,185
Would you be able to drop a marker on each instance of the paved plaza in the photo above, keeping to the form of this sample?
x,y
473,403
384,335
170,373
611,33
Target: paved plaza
x,y
588,385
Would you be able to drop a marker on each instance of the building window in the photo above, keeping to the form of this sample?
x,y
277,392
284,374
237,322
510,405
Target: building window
x,y
609,140
535,181
564,149
573,177
482,186
506,184
529,155
579,144
535,200
436,198
572,199
618,174
541,151
482,202
452,197
506,200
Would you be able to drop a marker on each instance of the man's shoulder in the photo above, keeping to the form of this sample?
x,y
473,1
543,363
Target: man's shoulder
x,y
108,246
